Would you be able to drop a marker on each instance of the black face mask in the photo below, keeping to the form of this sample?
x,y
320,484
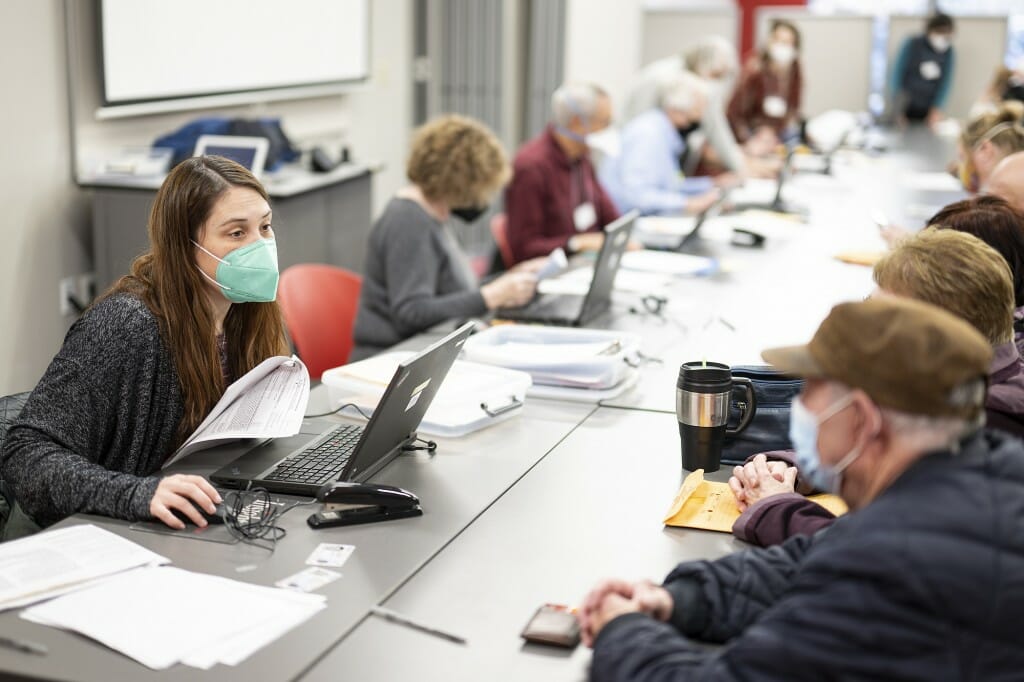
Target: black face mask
x,y
685,131
469,214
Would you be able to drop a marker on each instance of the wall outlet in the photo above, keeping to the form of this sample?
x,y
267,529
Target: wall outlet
x,y
68,288
86,288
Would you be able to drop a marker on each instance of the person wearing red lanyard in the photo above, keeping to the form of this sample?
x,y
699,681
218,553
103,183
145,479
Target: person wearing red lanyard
x,y
554,199
766,102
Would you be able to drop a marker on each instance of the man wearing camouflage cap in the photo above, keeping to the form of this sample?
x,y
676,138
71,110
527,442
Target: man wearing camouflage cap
x,y
924,580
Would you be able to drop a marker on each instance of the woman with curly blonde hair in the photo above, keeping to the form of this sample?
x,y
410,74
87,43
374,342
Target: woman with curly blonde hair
x,y
415,273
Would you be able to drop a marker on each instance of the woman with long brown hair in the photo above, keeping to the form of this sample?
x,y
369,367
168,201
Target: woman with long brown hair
x,y
148,361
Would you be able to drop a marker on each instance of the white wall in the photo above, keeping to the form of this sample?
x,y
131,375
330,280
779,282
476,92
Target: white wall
x,y
668,32
45,226
373,119
46,233
603,44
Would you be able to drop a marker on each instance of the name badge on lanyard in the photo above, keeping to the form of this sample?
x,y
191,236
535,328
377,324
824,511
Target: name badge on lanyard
x,y
774,106
584,216
930,70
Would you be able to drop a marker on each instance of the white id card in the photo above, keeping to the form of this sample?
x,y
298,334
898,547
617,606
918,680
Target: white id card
x,y
774,106
584,216
308,579
328,554
930,70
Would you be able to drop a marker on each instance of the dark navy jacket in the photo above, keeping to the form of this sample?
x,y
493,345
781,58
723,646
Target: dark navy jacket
x,y
925,583
922,93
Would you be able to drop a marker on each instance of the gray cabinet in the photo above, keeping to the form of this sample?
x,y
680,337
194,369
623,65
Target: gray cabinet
x,y
317,219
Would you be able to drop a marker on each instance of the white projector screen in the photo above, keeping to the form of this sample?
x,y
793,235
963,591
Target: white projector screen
x,y
160,49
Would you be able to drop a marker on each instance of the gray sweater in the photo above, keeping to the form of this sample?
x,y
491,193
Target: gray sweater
x,y
415,276
100,422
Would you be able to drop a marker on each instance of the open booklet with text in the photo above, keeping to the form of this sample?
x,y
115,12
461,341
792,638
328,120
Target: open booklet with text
x,y
268,402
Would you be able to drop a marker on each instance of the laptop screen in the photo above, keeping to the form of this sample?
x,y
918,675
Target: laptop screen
x,y
405,401
616,240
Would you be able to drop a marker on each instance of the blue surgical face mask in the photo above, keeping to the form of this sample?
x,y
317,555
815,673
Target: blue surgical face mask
x,y
803,433
248,274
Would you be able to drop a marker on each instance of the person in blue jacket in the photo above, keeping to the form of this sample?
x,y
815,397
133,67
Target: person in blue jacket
x,y
923,72
923,580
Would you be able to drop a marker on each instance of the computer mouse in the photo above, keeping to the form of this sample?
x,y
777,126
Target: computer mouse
x,y
217,517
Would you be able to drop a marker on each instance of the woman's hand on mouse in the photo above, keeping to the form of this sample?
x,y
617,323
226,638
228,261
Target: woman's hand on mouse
x,y
183,492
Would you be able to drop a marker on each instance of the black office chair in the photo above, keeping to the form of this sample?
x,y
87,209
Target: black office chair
x,y
10,408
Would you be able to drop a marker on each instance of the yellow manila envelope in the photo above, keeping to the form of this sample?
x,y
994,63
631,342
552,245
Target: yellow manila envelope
x,y
712,506
868,258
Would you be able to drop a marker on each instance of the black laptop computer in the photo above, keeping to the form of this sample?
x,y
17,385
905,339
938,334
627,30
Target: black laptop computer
x,y
299,465
680,242
573,311
776,204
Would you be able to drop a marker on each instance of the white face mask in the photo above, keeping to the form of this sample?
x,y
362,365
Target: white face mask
x,y
781,53
939,41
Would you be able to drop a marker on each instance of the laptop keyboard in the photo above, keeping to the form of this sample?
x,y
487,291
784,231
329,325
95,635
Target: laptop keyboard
x,y
320,463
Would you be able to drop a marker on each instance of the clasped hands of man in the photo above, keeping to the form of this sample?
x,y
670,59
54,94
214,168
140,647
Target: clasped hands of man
x,y
611,598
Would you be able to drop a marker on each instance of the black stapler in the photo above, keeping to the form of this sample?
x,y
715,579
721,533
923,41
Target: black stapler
x,y
348,504
744,237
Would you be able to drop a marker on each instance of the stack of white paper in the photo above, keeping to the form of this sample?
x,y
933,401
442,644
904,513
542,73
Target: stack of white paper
x,y
160,616
665,263
587,359
754,191
268,402
931,182
58,561
577,282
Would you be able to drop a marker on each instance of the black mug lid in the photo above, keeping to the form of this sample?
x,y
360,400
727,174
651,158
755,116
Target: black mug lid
x,y
704,377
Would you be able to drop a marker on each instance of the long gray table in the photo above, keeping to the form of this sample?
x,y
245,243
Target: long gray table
x,y
455,486
538,508
592,508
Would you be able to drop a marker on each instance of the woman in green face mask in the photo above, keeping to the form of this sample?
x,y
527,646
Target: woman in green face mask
x,y
146,363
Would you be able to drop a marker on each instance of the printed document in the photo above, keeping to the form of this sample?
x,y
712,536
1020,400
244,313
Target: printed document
x,y
56,561
234,619
268,402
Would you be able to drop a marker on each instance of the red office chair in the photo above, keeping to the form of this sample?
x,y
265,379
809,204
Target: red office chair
x,y
319,304
499,230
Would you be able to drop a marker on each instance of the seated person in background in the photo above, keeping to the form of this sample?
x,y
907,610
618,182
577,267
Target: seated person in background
x,y
554,199
924,582
765,106
145,364
987,140
645,175
714,61
1001,226
1007,84
951,269
985,143
415,273
1007,180
923,72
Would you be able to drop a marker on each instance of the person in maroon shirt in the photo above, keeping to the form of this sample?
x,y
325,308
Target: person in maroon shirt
x,y
766,101
555,199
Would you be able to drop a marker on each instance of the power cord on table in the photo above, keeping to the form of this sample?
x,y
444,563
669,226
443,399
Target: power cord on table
x,y
251,515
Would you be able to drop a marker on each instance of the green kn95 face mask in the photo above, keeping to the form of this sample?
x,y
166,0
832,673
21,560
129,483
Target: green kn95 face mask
x,y
249,273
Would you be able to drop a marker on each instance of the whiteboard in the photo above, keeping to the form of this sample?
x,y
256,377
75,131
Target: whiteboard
x,y
155,49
